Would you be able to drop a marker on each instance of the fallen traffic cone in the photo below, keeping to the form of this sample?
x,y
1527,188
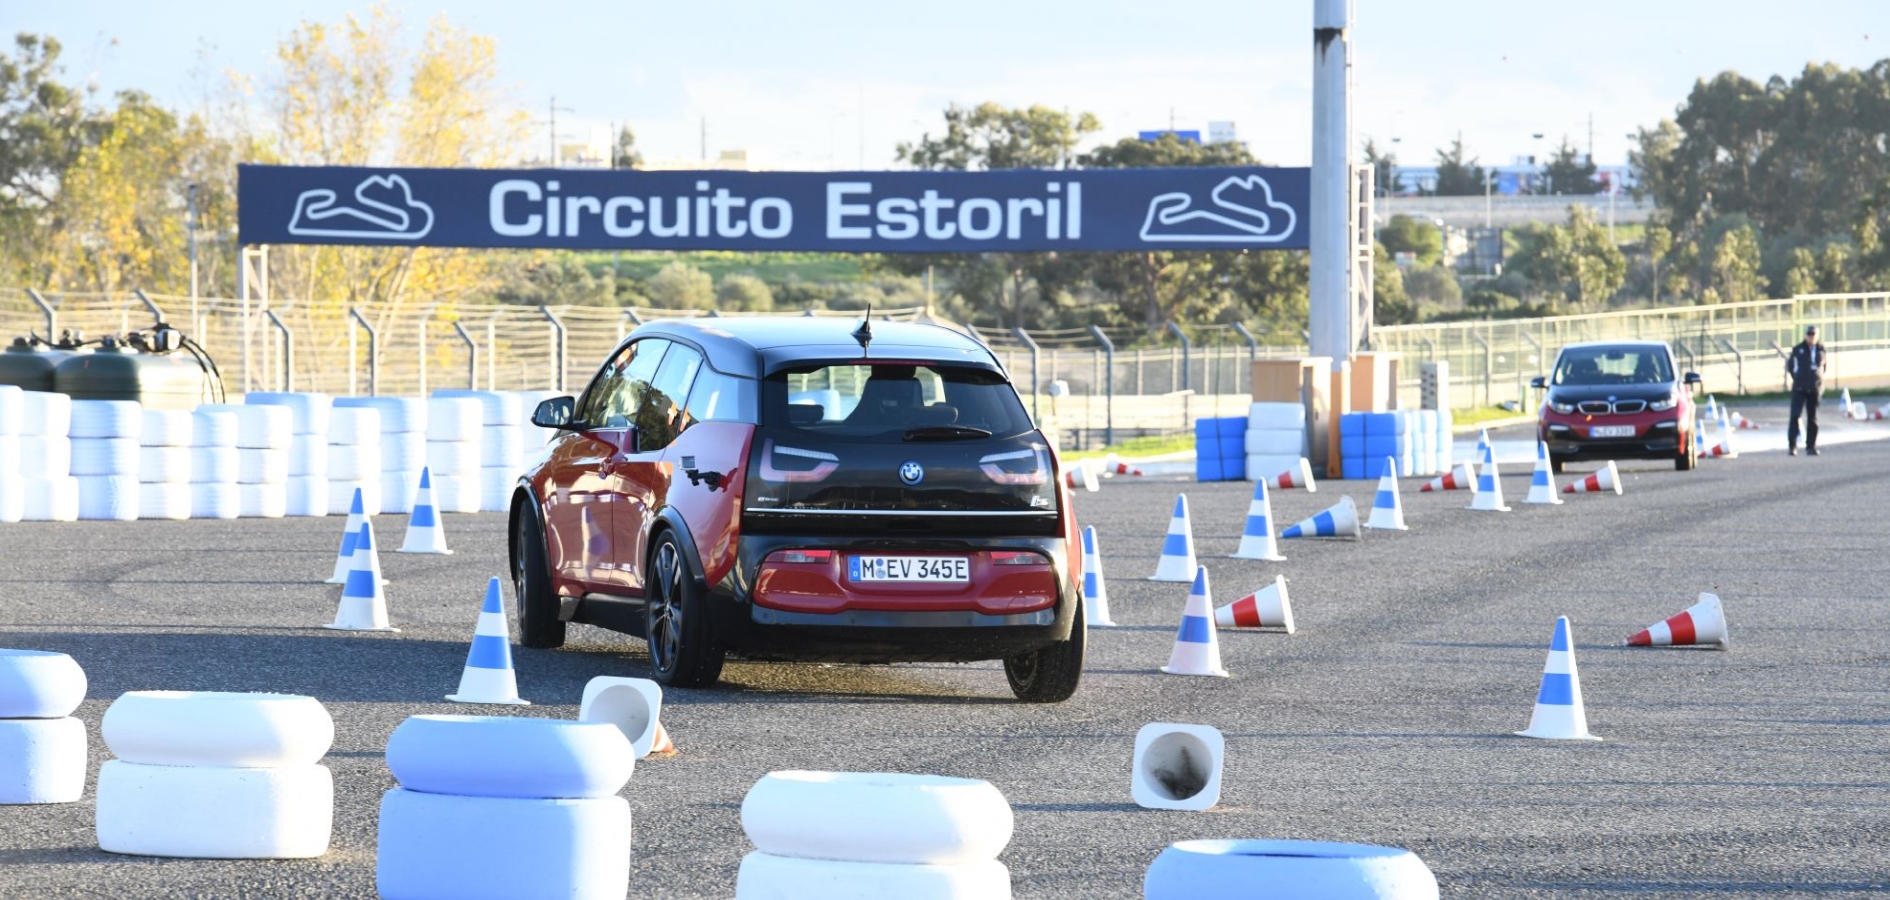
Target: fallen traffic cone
x,y
1857,410
1542,481
345,559
1606,478
1114,466
1196,652
1080,474
1095,591
1881,412
1265,608
1559,715
1463,479
1702,624
488,676
1256,537
1177,562
662,746
363,606
424,534
1489,493
1387,511
1338,520
634,705
1296,476
1744,424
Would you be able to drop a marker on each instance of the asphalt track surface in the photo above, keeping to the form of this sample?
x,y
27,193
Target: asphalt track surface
x,y
1758,772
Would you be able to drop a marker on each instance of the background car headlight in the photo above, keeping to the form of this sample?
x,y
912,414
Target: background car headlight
x,y
1665,403
1563,408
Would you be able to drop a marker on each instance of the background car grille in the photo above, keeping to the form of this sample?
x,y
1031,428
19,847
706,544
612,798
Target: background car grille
x,y
1604,407
1594,407
1629,406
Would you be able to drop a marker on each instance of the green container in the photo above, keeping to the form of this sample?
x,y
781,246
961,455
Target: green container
x,y
117,372
30,366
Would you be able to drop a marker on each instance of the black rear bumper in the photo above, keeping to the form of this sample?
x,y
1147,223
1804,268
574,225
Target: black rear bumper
x,y
1659,448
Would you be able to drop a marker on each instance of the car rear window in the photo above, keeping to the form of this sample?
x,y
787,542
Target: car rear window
x,y
1613,365
893,401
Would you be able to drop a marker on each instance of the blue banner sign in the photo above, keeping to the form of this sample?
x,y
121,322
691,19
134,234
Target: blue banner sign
x,y
844,212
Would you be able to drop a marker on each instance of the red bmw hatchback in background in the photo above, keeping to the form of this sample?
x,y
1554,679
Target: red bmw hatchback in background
x,y
802,489
1618,400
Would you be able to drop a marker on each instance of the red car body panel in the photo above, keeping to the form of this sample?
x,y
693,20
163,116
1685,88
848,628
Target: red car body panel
x,y
714,514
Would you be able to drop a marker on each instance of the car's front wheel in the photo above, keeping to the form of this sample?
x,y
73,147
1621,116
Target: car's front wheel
x,y
683,652
1050,674
538,624
1689,457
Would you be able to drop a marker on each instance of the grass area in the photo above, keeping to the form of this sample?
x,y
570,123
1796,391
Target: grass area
x,y
1476,414
1151,445
769,267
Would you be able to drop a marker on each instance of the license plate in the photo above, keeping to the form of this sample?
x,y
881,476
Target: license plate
x,y
909,568
1602,431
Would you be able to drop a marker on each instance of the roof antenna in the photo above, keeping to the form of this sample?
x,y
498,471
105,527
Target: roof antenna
x,y
864,333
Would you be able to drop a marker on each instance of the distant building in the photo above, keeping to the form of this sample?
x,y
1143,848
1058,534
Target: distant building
x,y
1521,176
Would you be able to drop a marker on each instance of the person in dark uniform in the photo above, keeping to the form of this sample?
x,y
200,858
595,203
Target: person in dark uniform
x,y
1806,366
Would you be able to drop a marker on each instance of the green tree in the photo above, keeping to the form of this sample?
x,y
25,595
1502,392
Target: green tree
x,y
1405,234
1457,176
1802,277
1573,261
745,293
1569,171
1384,169
1657,241
1390,304
1434,287
623,151
554,278
680,285
1736,264
991,136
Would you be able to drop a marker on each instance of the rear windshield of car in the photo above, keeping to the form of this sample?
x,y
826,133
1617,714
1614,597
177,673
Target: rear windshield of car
x,y
1614,365
893,401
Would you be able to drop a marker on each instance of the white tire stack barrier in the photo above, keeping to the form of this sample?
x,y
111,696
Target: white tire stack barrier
x,y
211,775
454,425
213,463
1276,438
105,457
354,459
306,491
12,480
42,748
861,836
263,435
51,493
502,435
535,436
543,789
1446,440
164,464
403,444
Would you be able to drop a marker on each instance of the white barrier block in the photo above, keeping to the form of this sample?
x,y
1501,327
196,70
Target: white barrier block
x,y
214,813
42,760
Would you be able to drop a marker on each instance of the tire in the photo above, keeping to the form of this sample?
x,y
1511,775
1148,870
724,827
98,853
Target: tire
x,y
308,411
12,497
48,414
354,425
683,652
877,818
764,876
259,466
53,498
164,465
213,426
453,457
511,757
215,500
1556,464
501,446
45,456
217,729
497,407
259,427
398,490
307,496
397,414
106,419
456,493
538,624
308,455
12,410
262,501
39,684
213,465
495,488
404,452
165,428
454,419
105,456
341,495
284,812
1050,674
108,498
1689,458
162,500
354,462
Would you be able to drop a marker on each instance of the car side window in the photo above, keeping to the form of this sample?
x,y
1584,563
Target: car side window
x,y
660,414
716,397
613,398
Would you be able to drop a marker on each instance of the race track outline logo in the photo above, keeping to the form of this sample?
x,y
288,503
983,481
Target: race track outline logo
x,y
384,210
1242,211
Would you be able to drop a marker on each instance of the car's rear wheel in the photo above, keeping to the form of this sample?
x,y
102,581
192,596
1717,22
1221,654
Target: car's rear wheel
x,y
1050,674
1557,464
538,624
1689,457
682,648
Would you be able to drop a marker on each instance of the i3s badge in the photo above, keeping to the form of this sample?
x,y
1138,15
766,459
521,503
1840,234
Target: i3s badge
x,y
911,472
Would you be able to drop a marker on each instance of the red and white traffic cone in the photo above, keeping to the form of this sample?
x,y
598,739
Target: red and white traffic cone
x,y
1606,479
1702,624
1463,479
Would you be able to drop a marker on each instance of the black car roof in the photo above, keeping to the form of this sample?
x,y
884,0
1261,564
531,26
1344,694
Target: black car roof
x,y
753,346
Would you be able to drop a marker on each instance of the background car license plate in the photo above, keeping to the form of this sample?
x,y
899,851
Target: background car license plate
x,y
1602,431
908,568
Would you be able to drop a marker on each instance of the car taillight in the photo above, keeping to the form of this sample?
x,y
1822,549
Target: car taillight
x,y
802,556
1009,468
792,464
1017,558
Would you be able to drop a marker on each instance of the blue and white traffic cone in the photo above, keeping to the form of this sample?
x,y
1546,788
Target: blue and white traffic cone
x,y
1177,562
1095,590
1197,651
345,559
1338,520
424,534
1387,510
1542,481
1559,714
1489,494
1256,537
489,677
1712,407
1723,428
1483,442
363,605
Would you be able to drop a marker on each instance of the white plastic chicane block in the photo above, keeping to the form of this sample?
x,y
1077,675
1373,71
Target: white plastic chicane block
x,y
877,817
165,428
453,457
1276,416
456,493
46,414
285,812
765,876
104,456
52,499
45,456
211,728
341,495
213,426
262,501
215,465
308,412
111,498
306,495
454,419
164,500
39,684
308,455
164,465
398,414
256,466
106,419
352,462
215,500
503,756
42,760
12,409
354,425
442,847
403,453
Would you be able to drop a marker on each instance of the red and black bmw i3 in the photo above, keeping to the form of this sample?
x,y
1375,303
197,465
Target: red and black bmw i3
x,y
802,489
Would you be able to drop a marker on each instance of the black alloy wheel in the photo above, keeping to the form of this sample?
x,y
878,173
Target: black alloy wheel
x,y
682,650
1050,674
536,608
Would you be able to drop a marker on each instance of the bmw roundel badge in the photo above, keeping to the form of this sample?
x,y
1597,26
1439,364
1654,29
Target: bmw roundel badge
x,y
911,472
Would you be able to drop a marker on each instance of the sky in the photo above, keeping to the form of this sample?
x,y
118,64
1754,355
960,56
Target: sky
x,y
826,84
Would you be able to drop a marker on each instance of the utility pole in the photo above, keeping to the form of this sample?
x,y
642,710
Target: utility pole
x,y
554,133
1330,229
